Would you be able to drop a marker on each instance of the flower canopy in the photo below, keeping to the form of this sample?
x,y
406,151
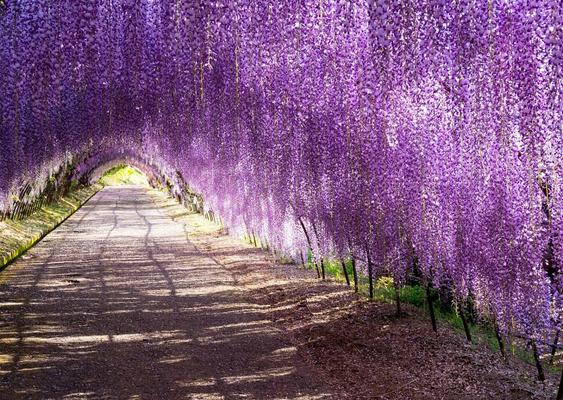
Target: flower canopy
x,y
424,129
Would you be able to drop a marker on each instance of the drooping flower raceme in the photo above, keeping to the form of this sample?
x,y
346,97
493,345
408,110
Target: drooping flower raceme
x,y
427,130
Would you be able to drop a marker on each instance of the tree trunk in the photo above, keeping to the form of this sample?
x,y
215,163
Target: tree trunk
x,y
541,375
309,243
431,307
302,259
465,324
345,272
370,273
355,273
319,245
398,300
554,347
499,340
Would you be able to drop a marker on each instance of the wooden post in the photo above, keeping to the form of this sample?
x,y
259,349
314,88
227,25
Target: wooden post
x,y
345,272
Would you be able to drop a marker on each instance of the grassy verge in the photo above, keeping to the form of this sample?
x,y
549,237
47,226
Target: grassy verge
x,y
18,236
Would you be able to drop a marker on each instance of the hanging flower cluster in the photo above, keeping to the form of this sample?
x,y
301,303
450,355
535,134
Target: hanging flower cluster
x,y
420,129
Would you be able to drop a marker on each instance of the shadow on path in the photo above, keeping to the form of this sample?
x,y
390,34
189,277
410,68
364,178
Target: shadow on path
x,y
117,304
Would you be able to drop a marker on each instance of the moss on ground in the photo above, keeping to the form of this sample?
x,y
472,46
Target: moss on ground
x,y
18,236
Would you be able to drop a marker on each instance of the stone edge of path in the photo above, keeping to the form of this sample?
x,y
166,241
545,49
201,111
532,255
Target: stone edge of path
x,y
17,237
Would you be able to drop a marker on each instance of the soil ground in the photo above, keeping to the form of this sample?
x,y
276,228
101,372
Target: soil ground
x,y
135,298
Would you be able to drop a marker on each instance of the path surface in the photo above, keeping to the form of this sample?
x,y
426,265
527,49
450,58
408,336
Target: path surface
x,y
118,304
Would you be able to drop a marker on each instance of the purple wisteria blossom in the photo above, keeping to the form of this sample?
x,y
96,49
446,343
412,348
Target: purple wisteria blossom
x,y
427,129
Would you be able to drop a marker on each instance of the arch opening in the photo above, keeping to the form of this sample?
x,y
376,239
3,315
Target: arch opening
x,y
55,180
123,174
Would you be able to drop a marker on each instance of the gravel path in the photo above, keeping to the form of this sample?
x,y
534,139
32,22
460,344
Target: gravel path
x,y
118,304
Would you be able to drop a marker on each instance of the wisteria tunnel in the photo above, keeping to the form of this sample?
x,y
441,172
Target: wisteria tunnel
x,y
388,155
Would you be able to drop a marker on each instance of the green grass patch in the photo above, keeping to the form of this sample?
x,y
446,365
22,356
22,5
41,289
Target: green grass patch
x,y
18,236
124,175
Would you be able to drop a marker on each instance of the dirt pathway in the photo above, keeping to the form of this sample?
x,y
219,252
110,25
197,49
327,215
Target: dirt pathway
x,y
360,348
118,304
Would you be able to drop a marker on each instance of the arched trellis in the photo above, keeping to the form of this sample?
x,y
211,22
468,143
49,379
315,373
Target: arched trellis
x,y
159,173
96,174
389,127
94,166
85,168
32,191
